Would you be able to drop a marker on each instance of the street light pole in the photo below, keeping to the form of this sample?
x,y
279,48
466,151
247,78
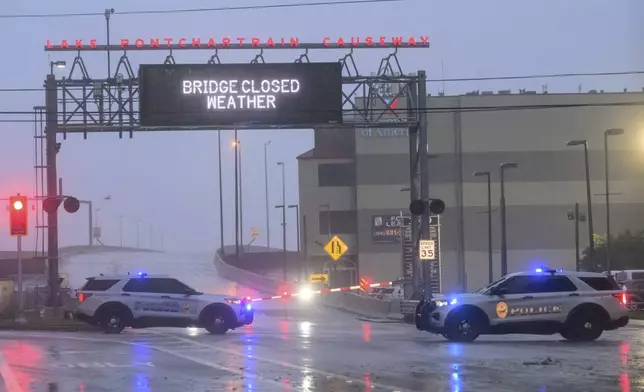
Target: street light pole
x,y
241,198
504,243
489,223
589,200
607,133
236,200
297,226
221,196
283,214
268,219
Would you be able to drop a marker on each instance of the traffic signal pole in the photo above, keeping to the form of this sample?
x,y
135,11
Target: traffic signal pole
x,y
51,107
21,297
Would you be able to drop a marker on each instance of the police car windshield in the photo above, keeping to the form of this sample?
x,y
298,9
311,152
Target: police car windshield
x,y
488,288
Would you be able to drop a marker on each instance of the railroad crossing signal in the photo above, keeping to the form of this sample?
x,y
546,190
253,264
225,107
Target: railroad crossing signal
x,y
336,248
18,217
319,278
427,250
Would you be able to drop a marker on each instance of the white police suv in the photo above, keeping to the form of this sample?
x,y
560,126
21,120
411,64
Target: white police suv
x,y
578,305
139,301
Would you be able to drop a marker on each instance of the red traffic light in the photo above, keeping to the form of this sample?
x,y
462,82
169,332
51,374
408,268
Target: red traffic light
x,y
18,217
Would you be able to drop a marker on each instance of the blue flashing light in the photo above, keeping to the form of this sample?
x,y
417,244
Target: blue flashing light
x,y
141,274
539,270
454,301
249,307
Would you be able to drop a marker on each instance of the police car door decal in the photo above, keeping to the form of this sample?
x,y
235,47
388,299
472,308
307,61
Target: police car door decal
x,y
158,306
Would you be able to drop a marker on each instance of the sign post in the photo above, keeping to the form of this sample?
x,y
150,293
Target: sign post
x,y
18,207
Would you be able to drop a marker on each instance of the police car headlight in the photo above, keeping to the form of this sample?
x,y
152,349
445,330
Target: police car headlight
x,y
440,303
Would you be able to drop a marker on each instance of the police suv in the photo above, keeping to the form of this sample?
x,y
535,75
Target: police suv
x,y
139,301
577,305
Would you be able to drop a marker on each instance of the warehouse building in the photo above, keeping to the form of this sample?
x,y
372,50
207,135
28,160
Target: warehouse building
x,y
357,179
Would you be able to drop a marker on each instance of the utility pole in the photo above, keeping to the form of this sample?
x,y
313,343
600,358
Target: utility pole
x,y
607,133
504,242
268,220
51,104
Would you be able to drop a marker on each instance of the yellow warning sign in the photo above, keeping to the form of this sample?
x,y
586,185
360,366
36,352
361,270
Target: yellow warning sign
x,y
336,248
501,309
319,278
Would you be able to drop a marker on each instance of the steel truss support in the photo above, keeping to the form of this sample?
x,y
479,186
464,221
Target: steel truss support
x,y
81,104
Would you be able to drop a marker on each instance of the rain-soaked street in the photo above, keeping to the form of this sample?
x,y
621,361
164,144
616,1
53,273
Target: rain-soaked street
x,y
309,348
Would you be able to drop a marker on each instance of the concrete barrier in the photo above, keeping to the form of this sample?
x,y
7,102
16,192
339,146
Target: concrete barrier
x,y
245,278
362,305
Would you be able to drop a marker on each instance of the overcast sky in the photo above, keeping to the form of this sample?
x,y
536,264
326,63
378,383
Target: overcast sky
x,y
169,180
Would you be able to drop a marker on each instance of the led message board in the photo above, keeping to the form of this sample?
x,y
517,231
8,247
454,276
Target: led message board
x,y
235,94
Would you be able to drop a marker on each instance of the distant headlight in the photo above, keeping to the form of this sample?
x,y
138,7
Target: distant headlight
x,y
306,293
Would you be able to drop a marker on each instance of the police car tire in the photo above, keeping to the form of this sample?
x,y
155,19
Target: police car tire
x,y
583,326
110,312
214,313
456,318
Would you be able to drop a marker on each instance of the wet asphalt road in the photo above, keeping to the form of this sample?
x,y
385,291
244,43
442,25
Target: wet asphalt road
x,y
310,348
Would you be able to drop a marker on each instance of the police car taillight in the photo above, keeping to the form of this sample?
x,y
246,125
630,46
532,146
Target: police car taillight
x,y
82,297
621,297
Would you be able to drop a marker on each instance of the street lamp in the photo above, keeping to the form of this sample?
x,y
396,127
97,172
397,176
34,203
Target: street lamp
x,y
607,133
283,214
589,200
268,220
56,64
504,243
489,222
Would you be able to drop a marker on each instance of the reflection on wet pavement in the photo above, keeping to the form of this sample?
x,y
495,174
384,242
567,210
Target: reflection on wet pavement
x,y
324,351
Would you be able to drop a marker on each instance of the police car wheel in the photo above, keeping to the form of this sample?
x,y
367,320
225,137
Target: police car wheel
x,y
583,327
112,321
217,323
463,325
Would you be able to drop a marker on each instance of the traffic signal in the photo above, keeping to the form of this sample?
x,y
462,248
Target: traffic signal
x,y
435,206
18,216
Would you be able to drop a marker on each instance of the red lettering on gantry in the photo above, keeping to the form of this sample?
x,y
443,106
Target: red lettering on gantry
x,y
325,41
225,42
339,42
397,41
92,43
270,42
282,41
182,42
79,44
294,42
382,41
64,44
48,44
168,41
196,42
254,42
211,43
368,41
411,42
355,41
241,41
124,43
424,39
155,43
139,43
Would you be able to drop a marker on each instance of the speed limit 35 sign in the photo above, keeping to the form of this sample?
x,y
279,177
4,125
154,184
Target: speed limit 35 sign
x,y
427,250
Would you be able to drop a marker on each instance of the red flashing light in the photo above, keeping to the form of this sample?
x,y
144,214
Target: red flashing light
x,y
18,217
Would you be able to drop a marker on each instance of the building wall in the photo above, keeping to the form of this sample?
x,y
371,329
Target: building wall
x,y
549,179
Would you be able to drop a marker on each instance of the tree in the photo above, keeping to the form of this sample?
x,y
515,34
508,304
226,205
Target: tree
x,y
626,252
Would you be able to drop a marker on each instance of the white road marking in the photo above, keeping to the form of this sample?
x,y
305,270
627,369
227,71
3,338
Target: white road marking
x,y
10,380
285,364
174,353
